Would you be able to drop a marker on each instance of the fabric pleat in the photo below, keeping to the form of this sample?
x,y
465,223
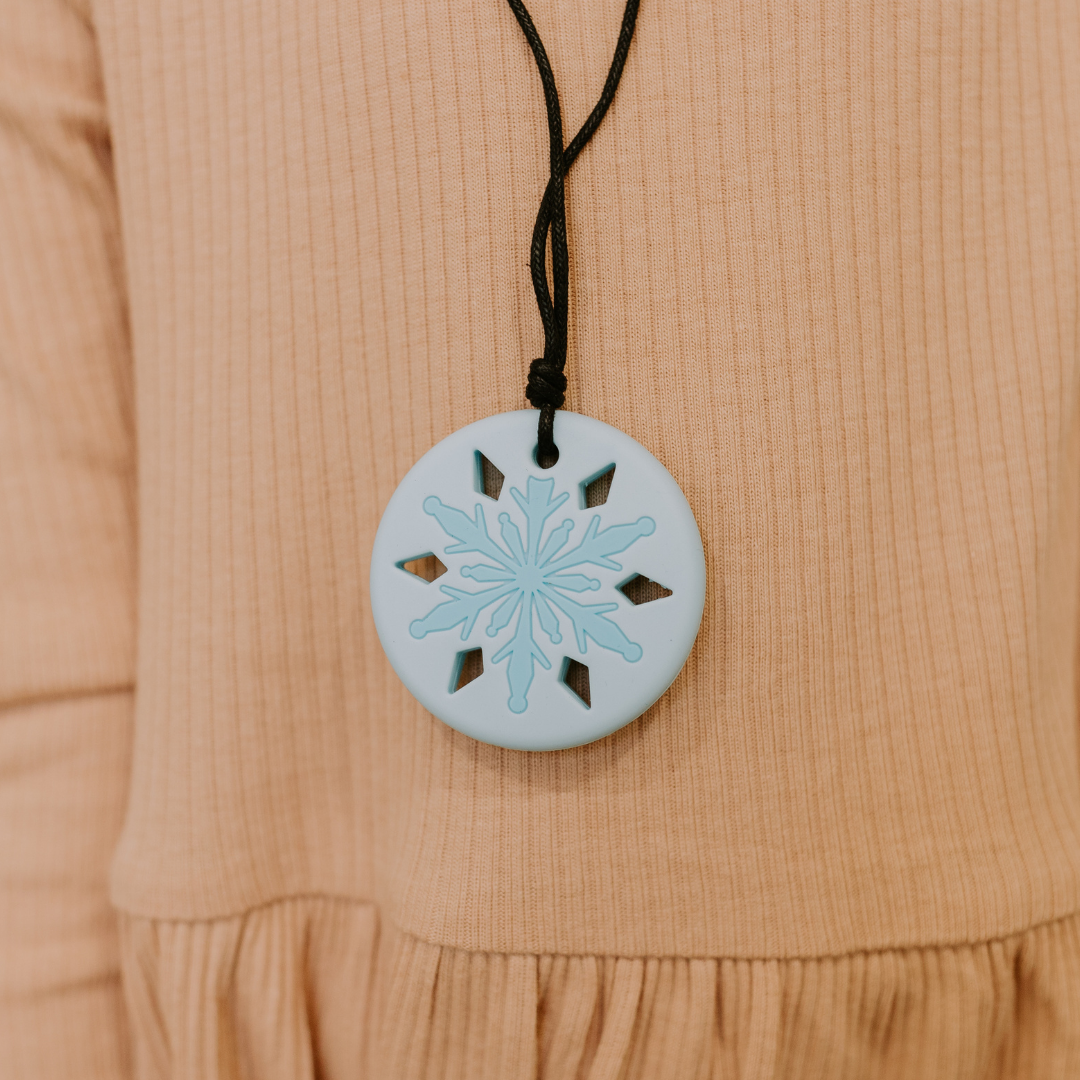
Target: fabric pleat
x,y
319,988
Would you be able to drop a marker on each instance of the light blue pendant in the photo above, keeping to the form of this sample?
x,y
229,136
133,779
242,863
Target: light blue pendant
x,y
567,599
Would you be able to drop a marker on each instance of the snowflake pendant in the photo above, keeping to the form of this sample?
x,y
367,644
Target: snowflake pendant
x,y
493,627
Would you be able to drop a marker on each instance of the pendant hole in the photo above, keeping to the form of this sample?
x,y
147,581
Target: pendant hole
x,y
575,677
427,566
548,460
640,590
468,666
595,490
489,480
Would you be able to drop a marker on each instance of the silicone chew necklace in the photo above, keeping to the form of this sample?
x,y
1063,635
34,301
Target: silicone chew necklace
x,y
493,630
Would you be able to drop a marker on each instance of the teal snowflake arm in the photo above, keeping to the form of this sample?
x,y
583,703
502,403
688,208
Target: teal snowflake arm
x,y
597,547
555,542
589,620
512,535
549,621
470,535
523,653
481,572
501,616
572,582
463,607
537,506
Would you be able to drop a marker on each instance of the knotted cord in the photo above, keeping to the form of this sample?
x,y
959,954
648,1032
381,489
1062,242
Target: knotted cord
x,y
546,385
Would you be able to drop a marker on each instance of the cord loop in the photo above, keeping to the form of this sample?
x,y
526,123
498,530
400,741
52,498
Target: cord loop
x,y
546,384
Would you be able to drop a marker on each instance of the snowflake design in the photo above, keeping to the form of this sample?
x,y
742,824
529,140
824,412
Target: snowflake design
x,y
531,578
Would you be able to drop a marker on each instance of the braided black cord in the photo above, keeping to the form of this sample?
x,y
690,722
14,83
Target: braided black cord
x,y
546,386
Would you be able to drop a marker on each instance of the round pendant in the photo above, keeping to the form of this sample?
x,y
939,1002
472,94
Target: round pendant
x,y
530,608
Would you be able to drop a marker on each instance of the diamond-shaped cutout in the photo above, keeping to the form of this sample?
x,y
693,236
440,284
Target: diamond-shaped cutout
x,y
489,480
640,590
595,490
426,566
468,666
576,678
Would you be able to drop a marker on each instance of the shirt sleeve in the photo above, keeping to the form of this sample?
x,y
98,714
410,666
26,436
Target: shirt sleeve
x,y
67,564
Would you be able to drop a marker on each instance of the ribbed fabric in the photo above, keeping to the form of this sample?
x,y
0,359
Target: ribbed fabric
x,y
310,988
63,777
824,266
67,553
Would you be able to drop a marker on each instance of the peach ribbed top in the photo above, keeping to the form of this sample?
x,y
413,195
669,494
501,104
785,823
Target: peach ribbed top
x,y
256,258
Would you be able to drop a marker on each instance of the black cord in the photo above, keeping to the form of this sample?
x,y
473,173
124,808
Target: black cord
x,y
546,386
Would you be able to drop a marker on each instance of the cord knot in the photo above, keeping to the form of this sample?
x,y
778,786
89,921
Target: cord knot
x,y
546,384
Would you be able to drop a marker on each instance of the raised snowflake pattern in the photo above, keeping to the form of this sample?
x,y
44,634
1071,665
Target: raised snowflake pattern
x,y
531,579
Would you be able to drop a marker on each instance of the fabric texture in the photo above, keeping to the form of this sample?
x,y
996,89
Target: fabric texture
x,y
255,259
311,988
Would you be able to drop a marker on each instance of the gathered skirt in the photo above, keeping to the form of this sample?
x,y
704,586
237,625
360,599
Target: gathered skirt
x,y
321,988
